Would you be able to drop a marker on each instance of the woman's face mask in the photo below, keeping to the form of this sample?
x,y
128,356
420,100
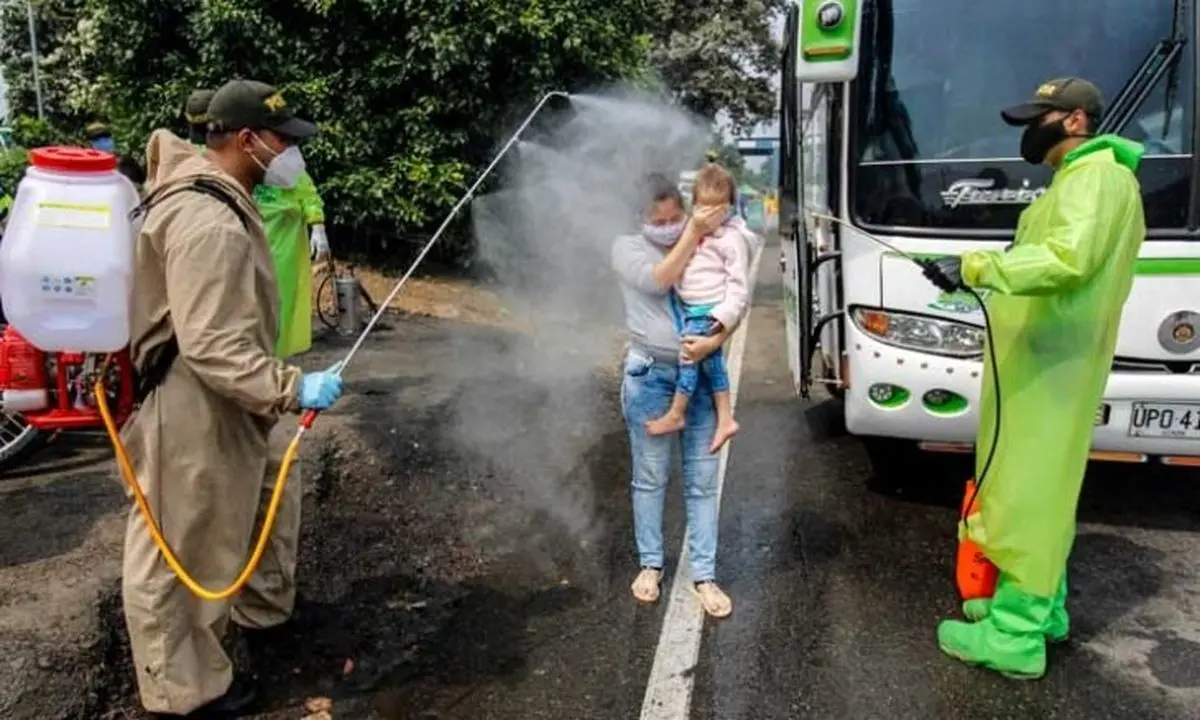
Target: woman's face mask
x,y
664,223
283,170
663,235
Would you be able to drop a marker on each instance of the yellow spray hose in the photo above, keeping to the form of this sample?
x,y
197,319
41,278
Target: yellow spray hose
x,y
264,537
306,421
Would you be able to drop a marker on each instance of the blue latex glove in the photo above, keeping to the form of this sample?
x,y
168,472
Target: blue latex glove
x,y
320,390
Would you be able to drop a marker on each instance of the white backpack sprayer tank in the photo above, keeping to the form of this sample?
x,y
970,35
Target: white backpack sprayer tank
x,y
66,260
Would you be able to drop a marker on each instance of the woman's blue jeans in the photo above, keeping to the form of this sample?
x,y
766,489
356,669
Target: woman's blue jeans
x,y
646,392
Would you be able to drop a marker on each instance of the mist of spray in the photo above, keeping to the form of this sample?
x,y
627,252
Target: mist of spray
x,y
546,235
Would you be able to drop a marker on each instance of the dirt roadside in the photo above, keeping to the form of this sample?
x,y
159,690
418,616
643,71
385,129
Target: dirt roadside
x,y
405,531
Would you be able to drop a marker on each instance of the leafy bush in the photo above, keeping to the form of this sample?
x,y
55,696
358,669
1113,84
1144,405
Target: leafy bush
x,y
12,166
411,97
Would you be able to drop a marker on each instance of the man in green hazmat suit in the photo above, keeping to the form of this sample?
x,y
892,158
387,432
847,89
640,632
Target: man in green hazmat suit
x,y
294,219
1055,307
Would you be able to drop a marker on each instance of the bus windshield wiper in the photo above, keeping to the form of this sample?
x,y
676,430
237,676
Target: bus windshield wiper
x,y
1162,57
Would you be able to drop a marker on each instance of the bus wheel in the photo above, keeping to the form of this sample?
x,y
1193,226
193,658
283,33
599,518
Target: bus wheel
x,y
895,464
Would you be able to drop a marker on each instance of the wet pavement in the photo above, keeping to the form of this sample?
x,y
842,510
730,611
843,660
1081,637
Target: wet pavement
x,y
454,567
840,589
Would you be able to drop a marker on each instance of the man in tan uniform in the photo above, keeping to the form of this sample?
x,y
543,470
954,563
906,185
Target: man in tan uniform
x,y
205,310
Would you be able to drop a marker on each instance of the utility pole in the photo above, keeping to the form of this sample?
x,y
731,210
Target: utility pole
x,y
33,50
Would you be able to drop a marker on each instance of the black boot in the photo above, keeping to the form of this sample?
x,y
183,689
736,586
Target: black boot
x,y
236,702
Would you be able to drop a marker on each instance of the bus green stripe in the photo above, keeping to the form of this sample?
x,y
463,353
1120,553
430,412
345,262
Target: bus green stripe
x,y
1143,266
1167,266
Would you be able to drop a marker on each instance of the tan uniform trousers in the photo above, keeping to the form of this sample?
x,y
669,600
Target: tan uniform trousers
x,y
175,636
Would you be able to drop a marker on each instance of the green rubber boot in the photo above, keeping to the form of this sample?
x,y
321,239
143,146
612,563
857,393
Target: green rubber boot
x,y
1058,628
1010,640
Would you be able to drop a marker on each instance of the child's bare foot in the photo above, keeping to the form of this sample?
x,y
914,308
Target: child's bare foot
x,y
724,432
665,425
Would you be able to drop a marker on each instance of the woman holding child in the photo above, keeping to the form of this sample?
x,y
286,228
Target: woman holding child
x,y
658,401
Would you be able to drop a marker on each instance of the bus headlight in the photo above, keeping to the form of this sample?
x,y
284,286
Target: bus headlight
x,y
921,333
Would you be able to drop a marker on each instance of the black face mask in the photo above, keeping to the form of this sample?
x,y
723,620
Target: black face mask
x,y
1038,140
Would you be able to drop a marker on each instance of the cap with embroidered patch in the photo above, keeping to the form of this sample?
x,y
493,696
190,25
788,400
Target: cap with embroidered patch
x,y
242,104
1066,94
96,130
196,107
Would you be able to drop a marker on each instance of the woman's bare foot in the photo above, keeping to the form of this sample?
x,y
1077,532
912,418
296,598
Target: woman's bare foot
x,y
724,432
647,585
665,425
713,599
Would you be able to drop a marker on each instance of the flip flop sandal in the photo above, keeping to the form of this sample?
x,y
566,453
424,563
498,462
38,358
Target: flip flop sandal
x,y
713,599
647,587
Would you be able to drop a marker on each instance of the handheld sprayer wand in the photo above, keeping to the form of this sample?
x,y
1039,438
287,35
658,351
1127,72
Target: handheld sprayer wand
x,y
310,416
991,347
466,198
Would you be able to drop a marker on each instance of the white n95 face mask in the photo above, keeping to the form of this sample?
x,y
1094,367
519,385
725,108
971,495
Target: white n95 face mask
x,y
663,235
285,169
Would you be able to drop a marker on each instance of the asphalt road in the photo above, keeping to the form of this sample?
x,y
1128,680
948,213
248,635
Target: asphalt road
x,y
468,550
838,590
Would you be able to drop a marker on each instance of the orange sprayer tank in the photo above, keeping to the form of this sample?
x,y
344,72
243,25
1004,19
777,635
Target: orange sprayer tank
x,y
974,573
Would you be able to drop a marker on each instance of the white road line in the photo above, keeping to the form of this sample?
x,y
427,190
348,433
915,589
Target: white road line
x,y
669,689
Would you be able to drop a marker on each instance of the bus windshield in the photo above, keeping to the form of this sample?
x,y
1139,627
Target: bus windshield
x,y
929,144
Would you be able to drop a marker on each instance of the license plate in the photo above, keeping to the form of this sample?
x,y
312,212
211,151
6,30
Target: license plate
x,y
1172,421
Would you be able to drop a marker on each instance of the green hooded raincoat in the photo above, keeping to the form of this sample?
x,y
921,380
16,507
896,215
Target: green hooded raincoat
x,y
287,214
1055,310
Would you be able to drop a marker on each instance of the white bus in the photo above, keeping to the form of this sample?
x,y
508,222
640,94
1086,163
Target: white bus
x,y
890,124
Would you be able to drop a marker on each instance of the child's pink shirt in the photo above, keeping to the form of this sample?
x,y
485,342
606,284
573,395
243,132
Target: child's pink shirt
x,y
716,274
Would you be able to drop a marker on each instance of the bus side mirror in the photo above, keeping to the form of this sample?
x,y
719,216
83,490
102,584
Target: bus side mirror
x,y
828,40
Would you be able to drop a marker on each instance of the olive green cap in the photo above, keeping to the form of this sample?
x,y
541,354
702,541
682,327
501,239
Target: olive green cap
x,y
1067,94
242,104
96,130
195,110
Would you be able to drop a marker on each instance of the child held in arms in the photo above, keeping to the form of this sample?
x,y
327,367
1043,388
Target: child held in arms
x,y
712,295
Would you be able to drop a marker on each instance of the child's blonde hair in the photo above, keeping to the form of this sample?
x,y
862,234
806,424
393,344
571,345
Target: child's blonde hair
x,y
713,178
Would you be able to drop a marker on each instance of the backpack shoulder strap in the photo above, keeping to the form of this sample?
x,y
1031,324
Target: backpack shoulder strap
x,y
204,186
163,356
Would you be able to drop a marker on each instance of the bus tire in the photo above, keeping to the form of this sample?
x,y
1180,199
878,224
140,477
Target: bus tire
x,y
895,463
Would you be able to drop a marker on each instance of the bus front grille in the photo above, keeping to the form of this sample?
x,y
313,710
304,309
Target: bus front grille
x,y
1156,367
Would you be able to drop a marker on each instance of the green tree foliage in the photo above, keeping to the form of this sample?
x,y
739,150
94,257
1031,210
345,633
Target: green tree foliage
x,y
719,56
27,132
56,23
412,96
12,164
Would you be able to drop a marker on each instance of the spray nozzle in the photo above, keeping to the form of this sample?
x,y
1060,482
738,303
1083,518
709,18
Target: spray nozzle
x,y
945,273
